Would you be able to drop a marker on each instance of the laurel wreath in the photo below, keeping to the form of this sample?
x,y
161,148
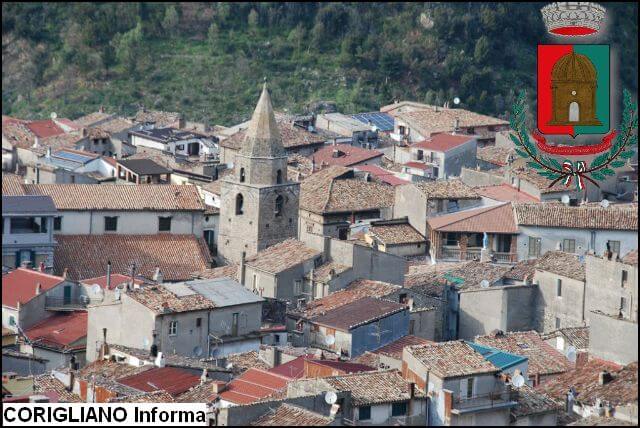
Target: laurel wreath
x,y
602,166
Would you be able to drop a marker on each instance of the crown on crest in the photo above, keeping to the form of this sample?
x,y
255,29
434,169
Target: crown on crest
x,y
573,18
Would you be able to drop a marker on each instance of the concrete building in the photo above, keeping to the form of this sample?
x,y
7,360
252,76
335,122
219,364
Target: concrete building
x,y
462,385
178,142
27,230
346,126
560,303
259,205
85,209
443,154
195,318
71,166
396,237
142,171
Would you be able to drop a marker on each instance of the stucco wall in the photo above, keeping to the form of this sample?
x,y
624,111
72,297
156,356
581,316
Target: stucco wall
x,y
569,307
605,289
613,339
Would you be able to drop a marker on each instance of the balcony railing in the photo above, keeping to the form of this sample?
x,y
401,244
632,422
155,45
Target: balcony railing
x,y
450,253
68,304
473,254
485,401
505,257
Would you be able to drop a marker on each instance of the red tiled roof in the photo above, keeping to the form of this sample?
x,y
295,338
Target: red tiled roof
x,y
505,193
417,165
171,379
20,285
344,366
443,142
116,279
60,331
254,385
394,349
44,128
492,219
288,415
393,180
360,312
294,369
349,155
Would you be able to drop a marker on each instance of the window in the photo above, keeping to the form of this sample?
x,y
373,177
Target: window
x,y
569,245
279,177
57,223
12,320
470,387
279,205
110,224
234,324
451,239
173,328
401,130
439,205
398,409
559,287
239,204
557,323
535,245
364,413
614,247
198,322
241,175
623,304
420,155
164,224
625,277
452,205
297,288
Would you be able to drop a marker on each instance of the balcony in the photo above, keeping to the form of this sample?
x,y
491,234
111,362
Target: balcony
x,y
53,303
473,254
450,253
481,402
504,257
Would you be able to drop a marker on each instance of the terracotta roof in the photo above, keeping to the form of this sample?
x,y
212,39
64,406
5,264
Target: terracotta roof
x,y
20,285
522,270
160,300
17,134
600,421
359,312
288,415
560,215
293,369
44,128
621,390
254,385
85,256
12,185
443,142
396,234
145,397
63,331
92,118
107,369
292,136
120,197
561,263
429,120
446,189
578,337
356,290
543,358
201,393
395,348
491,219
451,359
368,359
350,195
117,124
505,193
50,385
532,402
369,388
416,165
324,272
227,271
631,258
161,119
170,379
495,155
382,174
347,367
282,256
538,181
246,360
347,155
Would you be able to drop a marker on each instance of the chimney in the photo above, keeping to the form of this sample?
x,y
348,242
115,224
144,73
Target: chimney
x,y
159,362
36,141
243,267
109,275
65,272
217,387
84,132
604,377
72,373
203,377
158,276
48,152
133,277
38,289
456,124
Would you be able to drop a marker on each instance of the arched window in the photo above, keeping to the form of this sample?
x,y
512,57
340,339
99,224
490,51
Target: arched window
x,y
239,203
279,205
279,177
574,112
241,175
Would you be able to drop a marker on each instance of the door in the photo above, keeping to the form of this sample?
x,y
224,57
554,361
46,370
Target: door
x,y
574,112
234,324
67,294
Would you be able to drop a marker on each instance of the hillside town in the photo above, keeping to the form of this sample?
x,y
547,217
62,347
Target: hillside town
x,y
395,267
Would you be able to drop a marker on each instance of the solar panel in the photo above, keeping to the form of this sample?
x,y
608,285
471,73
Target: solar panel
x,y
382,121
76,157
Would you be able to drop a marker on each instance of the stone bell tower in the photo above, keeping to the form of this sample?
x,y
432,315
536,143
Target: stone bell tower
x,y
259,205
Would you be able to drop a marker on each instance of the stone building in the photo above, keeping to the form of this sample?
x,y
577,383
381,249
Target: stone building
x,y
259,206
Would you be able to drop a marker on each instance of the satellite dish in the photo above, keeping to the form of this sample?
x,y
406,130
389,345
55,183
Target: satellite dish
x,y
330,398
84,299
456,100
484,283
54,115
565,199
117,294
517,381
571,354
96,289
604,203
330,340
197,351
229,366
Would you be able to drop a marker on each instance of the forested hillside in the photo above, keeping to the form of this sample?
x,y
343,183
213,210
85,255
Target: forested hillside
x,y
207,59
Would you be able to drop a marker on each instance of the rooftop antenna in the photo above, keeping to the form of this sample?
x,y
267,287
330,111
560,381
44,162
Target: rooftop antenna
x,y
571,354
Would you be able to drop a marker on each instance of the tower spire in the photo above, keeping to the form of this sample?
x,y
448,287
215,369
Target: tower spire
x,y
262,138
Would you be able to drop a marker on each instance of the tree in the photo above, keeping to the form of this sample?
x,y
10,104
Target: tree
x,y
481,51
252,20
127,47
171,21
213,36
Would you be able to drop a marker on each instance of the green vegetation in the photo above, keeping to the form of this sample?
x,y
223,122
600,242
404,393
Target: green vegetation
x,y
208,59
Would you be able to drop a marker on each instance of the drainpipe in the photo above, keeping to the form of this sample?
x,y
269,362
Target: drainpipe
x,y
108,275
